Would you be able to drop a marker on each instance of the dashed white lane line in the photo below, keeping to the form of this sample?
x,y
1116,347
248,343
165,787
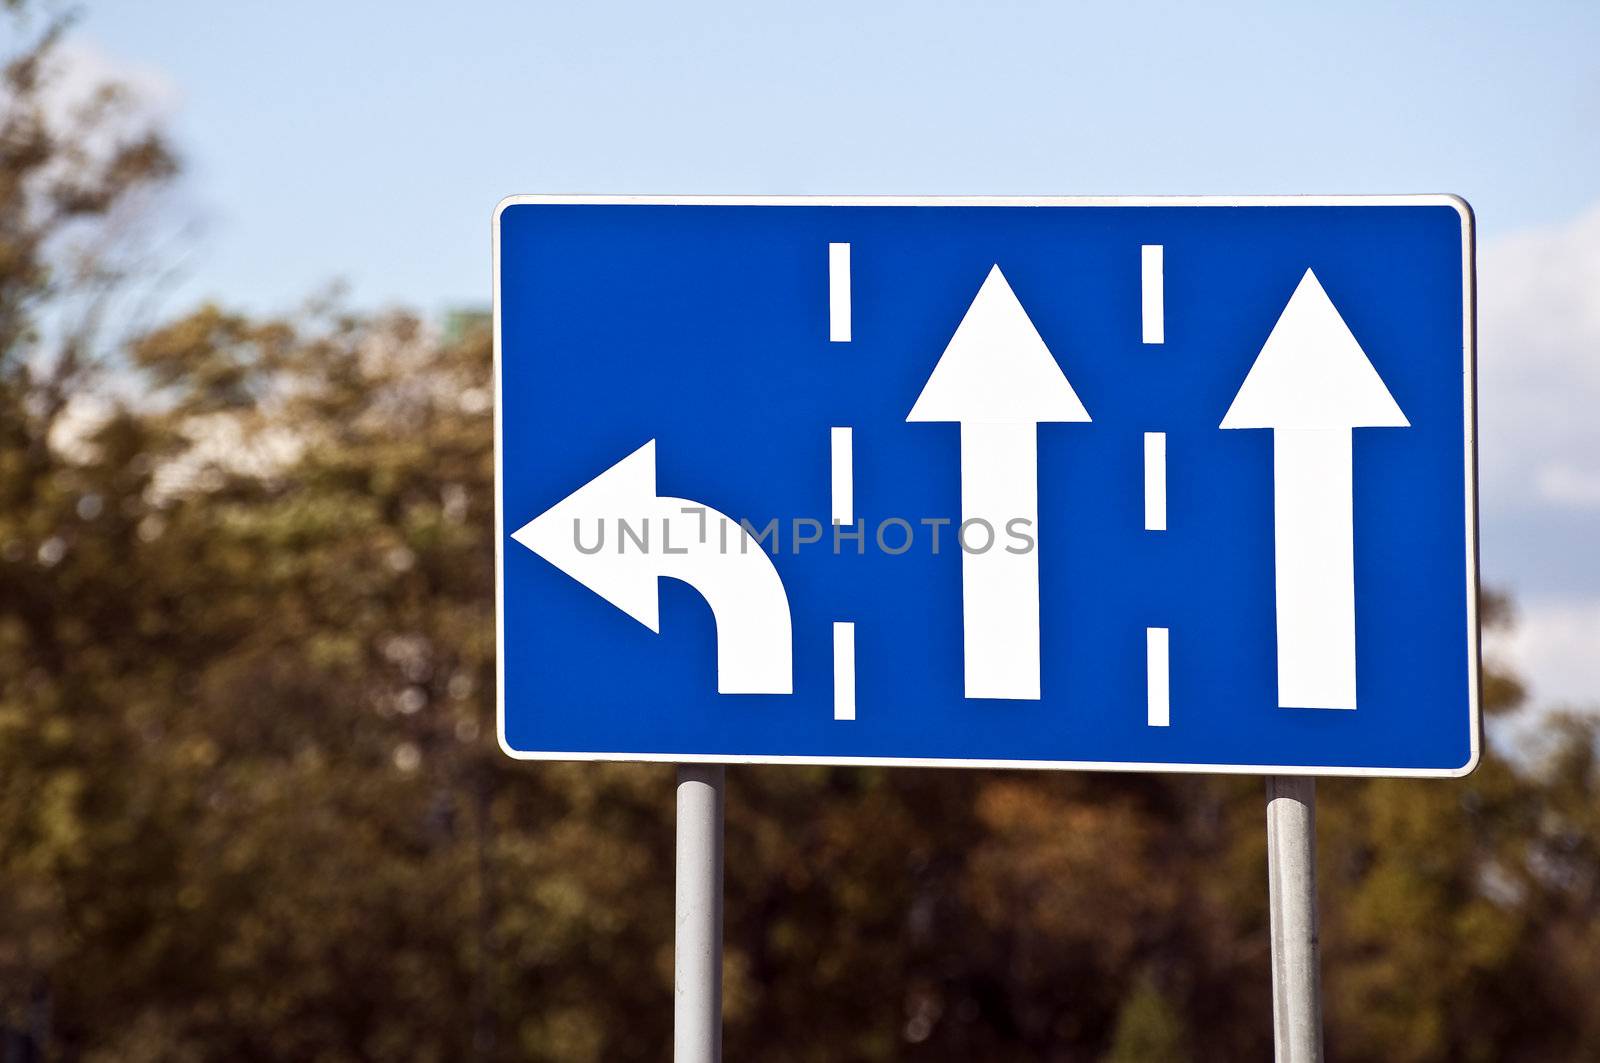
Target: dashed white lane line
x,y
843,469
839,293
844,670
1159,708
1152,270
1155,481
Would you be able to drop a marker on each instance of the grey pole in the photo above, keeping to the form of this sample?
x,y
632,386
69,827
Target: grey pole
x,y
1292,897
697,964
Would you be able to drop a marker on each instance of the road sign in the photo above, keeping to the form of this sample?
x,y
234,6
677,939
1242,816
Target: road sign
x,y
1150,484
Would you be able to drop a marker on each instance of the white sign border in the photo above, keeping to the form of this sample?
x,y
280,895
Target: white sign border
x,y
1469,403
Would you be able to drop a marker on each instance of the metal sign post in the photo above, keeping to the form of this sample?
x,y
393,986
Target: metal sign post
x,y
697,962
1292,898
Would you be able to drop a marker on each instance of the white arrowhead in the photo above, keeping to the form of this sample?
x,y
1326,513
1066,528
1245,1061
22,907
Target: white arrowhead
x,y
626,491
996,368
1311,373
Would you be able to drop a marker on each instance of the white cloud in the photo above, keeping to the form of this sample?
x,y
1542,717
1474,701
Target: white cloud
x,y
1555,647
1569,486
80,68
1539,451
1539,367
75,73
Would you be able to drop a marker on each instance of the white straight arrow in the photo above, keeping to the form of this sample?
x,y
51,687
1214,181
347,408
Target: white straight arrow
x,y
1312,384
999,381
682,540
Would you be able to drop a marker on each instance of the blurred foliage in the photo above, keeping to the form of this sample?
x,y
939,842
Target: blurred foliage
x,y
251,805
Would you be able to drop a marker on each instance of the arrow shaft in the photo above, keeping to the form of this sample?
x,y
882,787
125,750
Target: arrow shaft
x,y
1314,533
999,588
736,577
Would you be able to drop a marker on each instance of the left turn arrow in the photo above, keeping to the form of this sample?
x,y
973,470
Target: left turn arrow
x,y
682,540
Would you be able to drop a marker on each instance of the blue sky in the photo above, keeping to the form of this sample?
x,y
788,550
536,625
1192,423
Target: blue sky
x,y
369,141
382,133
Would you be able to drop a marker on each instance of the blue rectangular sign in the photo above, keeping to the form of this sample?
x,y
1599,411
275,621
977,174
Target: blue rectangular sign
x,y
1176,484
